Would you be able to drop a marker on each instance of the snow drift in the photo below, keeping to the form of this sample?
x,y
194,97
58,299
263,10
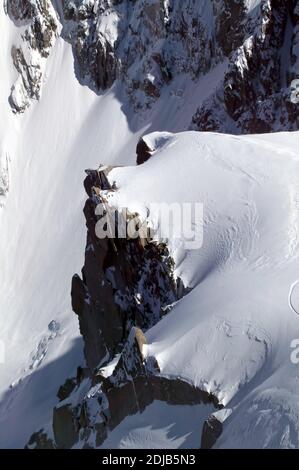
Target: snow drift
x,y
231,336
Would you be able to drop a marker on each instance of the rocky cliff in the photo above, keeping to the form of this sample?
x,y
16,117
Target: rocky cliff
x,y
125,281
146,44
256,93
39,24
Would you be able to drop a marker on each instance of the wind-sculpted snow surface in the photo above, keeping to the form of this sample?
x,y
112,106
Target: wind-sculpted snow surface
x,y
231,335
226,345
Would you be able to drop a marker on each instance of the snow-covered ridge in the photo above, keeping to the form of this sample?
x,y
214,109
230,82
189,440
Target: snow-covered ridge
x,y
232,334
227,343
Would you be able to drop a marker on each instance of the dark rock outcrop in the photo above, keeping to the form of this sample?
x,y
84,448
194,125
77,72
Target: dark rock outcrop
x,y
107,401
146,44
115,303
19,10
65,426
143,151
66,389
40,440
255,95
125,281
29,57
212,430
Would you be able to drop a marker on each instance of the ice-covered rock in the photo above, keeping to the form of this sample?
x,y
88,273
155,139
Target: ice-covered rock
x,y
39,20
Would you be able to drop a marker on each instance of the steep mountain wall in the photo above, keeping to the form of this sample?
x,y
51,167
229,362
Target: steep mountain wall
x,y
146,44
256,93
125,281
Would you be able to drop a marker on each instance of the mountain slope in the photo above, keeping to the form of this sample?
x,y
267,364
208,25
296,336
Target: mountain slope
x,y
42,237
80,83
226,345
42,233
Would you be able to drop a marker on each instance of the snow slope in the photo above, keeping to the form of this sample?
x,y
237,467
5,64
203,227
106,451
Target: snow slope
x,y
232,334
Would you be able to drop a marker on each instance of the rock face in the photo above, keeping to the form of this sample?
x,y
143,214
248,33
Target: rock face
x,y
40,440
255,95
113,295
29,57
110,39
147,43
212,429
143,152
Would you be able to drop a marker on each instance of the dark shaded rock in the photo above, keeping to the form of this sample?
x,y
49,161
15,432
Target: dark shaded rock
x,y
65,426
150,89
66,389
230,24
82,373
28,58
40,440
126,287
78,294
212,430
20,9
143,151
254,96
179,392
106,298
96,178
